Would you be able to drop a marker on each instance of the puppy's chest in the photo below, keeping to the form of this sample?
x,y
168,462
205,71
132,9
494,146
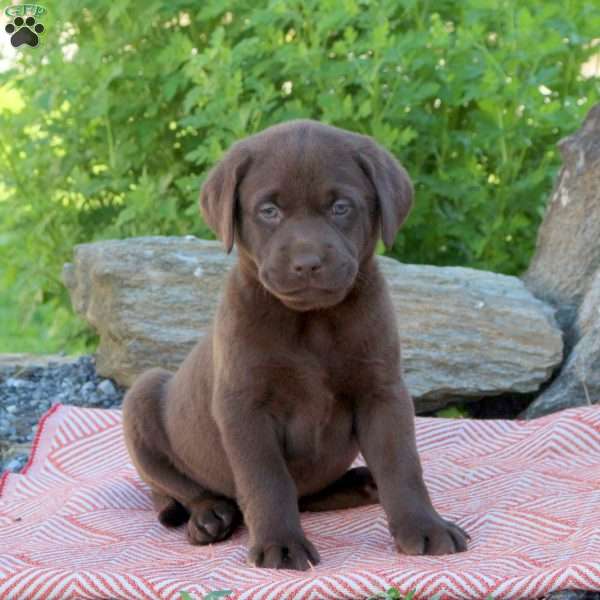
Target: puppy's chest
x,y
315,426
310,394
315,415
325,345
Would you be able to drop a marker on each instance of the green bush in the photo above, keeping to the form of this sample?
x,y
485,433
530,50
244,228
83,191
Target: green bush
x,y
107,129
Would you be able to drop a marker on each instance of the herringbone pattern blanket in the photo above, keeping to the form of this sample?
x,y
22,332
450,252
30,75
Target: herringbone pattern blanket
x,y
78,522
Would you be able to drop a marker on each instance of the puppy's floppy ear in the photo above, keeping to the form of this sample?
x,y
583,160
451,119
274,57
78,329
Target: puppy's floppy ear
x,y
392,185
219,194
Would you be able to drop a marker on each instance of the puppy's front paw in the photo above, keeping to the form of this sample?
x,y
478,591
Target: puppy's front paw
x,y
290,552
427,533
212,520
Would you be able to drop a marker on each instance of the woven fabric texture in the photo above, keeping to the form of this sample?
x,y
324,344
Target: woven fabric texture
x,y
78,522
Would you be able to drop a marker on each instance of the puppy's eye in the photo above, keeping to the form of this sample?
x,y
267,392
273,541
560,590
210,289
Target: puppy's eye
x,y
269,211
340,208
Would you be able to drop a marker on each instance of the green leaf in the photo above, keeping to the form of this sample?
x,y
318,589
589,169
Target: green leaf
x,y
218,594
407,135
452,412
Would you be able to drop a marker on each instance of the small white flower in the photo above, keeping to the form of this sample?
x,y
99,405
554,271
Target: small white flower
x,y
286,88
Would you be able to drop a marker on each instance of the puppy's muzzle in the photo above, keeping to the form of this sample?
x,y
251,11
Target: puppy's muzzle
x,y
305,282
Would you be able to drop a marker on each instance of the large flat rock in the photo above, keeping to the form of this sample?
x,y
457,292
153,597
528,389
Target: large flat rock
x,y
465,333
23,361
470,333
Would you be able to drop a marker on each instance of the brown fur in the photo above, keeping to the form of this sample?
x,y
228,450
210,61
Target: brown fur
x,y
302,367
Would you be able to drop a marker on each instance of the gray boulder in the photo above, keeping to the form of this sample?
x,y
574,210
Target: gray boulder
x,y
565,270
578,382
568,247
465,333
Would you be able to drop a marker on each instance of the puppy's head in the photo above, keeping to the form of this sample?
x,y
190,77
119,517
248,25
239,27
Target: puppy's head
x,y
305,202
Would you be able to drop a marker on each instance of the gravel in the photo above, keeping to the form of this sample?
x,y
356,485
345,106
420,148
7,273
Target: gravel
x,y
26,393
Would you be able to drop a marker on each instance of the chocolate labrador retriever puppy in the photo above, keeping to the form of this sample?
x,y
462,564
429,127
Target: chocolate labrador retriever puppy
x,y
302,367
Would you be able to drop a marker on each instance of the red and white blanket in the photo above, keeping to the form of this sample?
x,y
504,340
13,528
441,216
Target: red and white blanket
x,y
78,523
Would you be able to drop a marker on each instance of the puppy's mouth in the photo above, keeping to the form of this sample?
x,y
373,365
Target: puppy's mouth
x,y
311,297
311,293
307,297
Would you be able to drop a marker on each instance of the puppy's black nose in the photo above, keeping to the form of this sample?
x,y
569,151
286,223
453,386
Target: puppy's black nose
x,y
306,264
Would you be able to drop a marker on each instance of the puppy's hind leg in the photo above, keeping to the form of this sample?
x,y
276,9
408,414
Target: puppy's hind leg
x,y
355,488
176,497
210,517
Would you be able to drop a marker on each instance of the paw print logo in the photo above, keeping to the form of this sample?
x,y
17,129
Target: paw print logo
x,y
24,31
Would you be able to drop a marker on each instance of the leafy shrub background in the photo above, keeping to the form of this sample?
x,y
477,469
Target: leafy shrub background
x,y
108,128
